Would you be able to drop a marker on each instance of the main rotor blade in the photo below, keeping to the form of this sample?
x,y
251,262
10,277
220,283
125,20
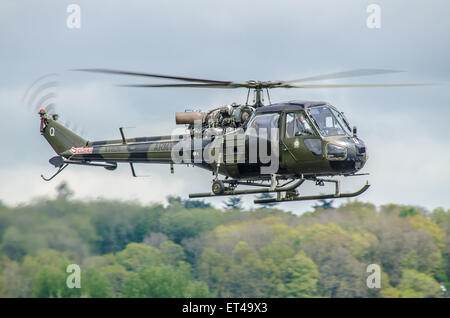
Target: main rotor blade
x,y
346,74
353,85
179,78
204,85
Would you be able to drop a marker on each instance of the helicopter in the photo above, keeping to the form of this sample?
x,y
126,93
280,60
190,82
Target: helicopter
x,y
271,148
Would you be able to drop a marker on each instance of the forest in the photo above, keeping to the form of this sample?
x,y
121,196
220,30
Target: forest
x,y
189,248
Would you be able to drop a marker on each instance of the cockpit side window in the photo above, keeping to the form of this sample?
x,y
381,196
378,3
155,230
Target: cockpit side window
x,y
297,125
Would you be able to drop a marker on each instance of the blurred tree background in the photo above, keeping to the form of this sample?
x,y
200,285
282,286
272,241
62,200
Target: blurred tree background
x,y
192,249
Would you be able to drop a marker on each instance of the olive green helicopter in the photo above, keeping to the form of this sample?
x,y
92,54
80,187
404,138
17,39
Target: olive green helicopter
x,y
271,148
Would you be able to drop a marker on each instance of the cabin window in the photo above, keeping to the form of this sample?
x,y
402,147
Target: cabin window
x,y
264,126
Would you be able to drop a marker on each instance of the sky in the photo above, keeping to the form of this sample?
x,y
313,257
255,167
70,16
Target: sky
x,y
406,129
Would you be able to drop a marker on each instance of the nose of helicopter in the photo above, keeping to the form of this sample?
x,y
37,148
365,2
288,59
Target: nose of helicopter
x,y
360,153
355,159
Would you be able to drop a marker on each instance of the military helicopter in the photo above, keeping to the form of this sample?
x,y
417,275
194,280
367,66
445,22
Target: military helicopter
x,y
273,148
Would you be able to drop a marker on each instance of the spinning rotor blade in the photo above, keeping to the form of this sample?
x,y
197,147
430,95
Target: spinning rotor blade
x,y
276,85
353,85
346,74
179,78
205,85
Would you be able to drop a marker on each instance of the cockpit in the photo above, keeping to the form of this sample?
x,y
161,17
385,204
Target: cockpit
x,y
327,120
308,131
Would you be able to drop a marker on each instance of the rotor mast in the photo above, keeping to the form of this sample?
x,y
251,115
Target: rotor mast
x,y
258,97
258,89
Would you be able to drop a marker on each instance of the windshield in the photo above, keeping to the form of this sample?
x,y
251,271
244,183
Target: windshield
x,y
343,121
329,121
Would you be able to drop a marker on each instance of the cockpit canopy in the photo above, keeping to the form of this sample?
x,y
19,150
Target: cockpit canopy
x,y
327,120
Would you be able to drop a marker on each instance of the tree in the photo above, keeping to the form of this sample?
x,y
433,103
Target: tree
x,y
184,224
266,195
12,283
415,284
341,275
390,292
407,212
213,268
428,226
246,277
46,274
233,203
117,224
136,256
116,275
163,282
96,284
155,239
14,243
49,283
196,204
187,250
171,253
324,204
241,274
63,191
175,201
442,219
299,277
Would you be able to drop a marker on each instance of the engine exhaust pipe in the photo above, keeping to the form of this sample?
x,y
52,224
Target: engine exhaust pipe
x,y
189,117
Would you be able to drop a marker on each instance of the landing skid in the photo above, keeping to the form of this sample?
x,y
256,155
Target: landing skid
x,y
285,192
316,197
60,169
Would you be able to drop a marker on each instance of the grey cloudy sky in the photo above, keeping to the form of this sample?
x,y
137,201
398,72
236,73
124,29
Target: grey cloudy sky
x,y
406,129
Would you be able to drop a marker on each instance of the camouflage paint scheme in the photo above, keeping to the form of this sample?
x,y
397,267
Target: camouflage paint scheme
x,y
296,159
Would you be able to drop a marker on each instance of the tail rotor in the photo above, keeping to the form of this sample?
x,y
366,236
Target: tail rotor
x,y
43,94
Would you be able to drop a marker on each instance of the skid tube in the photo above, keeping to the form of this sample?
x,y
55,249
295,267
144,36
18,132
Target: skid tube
x,y
335,195
290,191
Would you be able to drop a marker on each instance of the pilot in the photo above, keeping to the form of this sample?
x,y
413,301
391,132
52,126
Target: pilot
x,y
302,126
302,120
290,126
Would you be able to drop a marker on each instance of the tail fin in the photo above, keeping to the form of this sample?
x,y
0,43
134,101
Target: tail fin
x,y
58,136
